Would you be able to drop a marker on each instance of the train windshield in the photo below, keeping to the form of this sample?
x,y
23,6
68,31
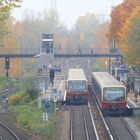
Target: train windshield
x,y
114,94
76,85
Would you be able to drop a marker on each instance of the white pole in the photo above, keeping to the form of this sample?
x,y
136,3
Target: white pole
x,y
67,65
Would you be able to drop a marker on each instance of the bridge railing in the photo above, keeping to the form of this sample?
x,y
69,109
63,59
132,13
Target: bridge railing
x,y
58,51
81,50
19,50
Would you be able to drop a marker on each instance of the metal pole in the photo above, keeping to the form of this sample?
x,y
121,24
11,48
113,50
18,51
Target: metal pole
x,y
55,107
109,62
106,69
20,43
89,66
45,84
67,65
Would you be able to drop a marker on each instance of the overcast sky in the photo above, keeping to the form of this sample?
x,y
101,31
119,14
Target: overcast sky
x,y
69,10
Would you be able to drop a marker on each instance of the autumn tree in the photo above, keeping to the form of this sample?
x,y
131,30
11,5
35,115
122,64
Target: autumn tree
x,y
118,16
101,38
28,33
12,42
5,7
130,37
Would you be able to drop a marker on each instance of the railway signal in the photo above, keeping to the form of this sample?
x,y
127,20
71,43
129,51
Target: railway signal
x,y
7,66
7,63
7,74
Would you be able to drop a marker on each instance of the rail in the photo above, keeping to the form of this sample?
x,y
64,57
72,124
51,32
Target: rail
x,y
9,131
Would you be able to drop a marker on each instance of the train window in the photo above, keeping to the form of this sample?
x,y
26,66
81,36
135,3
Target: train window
x,y
114,94
96,87
76,85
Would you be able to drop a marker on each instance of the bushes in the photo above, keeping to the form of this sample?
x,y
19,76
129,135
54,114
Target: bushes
x,y
30,117
16,99
33,92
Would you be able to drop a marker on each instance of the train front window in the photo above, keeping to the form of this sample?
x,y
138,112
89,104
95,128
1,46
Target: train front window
x,y
76,85
114,94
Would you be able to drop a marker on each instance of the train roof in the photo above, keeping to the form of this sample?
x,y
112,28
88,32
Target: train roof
x,y
106,80
76,74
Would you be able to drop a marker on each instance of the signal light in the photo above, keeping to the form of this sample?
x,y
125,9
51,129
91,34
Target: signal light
x,y
7,63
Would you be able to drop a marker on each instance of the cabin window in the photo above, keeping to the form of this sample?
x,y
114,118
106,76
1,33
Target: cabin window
x,y
113,94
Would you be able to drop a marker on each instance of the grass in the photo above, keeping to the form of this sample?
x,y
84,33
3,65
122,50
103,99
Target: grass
x,y
29,116
4,83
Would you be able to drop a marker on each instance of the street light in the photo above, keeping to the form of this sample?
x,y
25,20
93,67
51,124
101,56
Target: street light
x,y
89,67
67,62
106,64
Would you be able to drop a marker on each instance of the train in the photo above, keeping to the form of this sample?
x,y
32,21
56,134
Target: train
x,y
76,87
111,93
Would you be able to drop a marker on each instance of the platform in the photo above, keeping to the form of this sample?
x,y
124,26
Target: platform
x,y
57,92
134,103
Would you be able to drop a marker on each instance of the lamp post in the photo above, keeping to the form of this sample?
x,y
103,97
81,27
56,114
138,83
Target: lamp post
x,y
89,67
67,62
106,65
20,44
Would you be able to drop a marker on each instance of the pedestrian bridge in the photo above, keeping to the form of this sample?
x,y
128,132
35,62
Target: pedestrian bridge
x,y
65,52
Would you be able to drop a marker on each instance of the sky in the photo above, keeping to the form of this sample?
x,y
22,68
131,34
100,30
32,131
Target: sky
x,y
68,10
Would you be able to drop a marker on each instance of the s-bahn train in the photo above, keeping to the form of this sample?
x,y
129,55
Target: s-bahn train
x,y
111,93
76,87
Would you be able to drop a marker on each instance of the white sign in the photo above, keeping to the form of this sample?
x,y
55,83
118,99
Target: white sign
x,y
45,116
55,99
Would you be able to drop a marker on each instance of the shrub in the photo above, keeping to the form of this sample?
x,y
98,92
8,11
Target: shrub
x,y
16,99
33,92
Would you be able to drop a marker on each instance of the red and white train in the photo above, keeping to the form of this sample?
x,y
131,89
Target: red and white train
x,y
111,93
76,87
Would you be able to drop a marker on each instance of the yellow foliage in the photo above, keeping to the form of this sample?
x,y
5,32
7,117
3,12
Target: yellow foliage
x,y
15,99
82,37
126,49
11,47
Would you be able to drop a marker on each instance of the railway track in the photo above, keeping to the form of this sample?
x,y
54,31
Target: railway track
x,y
6,124
120,129
6,133
101,126
81,126
7,92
